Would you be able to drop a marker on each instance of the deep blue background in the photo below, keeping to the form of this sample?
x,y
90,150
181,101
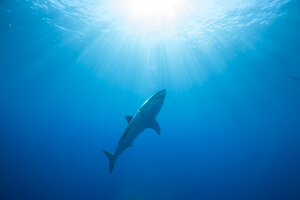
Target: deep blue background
x,y
235,135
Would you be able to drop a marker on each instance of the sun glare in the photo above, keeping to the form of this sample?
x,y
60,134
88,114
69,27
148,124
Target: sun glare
x,y
154,10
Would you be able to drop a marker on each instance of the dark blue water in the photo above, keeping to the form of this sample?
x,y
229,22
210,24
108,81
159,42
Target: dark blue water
x,y
71,70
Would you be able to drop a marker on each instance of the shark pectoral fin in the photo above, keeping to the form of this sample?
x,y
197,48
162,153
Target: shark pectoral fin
x,y
128,118
155,126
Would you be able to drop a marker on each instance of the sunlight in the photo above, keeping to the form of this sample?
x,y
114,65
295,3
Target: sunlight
x,y
154,11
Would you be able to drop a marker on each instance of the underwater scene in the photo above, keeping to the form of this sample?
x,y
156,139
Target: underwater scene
x,y
150,99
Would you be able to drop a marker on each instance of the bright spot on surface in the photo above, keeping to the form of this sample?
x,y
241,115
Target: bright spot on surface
x,y
154,10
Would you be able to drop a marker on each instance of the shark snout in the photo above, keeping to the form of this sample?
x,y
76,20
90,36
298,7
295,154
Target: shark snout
x,y
161,94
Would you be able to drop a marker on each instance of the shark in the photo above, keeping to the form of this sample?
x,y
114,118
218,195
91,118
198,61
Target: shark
x,y
144,118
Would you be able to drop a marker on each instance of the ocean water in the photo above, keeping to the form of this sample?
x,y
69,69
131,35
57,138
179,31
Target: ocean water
x,y
70,70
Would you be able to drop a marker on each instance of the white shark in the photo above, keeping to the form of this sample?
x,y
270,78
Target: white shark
x,y
143,118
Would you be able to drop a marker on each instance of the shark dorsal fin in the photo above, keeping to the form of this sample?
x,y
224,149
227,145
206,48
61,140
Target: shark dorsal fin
x,y
128,118
155,126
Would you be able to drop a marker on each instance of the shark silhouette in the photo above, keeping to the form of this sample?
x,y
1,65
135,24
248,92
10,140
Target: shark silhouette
x,y
143,118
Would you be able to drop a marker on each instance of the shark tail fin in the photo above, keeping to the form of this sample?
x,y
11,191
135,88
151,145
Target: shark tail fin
x,y
111,159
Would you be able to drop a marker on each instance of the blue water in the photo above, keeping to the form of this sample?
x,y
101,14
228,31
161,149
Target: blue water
x,y
230,126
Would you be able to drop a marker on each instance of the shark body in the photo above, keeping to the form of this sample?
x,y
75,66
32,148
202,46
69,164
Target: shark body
x,y
143,118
